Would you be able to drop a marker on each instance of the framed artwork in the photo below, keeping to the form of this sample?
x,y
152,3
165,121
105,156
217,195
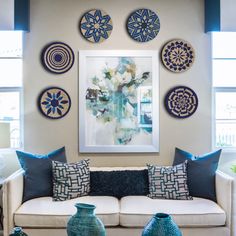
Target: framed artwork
x,y
118,101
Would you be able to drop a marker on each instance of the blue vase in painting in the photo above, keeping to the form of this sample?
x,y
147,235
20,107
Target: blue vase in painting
x,y
161,224
84,222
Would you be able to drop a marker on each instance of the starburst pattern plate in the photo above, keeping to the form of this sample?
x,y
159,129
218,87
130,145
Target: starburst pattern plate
x,y
57,57
178,55
54,102
96,26
143,25
181,102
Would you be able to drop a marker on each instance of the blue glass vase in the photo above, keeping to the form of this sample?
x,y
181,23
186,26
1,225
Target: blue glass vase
x,y
17,231
161,224
84,222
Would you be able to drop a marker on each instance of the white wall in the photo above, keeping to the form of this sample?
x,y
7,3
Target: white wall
x,y
58,20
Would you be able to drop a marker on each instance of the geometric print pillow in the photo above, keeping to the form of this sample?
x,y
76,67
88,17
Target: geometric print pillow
x,y
168,182
70,180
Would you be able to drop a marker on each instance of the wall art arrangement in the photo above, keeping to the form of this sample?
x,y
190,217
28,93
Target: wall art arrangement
x,y
96,26
57,57
178,55
119,101
181,102
54,102
143,25
119,90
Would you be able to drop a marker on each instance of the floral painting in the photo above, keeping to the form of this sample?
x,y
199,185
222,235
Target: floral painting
x,y
118,101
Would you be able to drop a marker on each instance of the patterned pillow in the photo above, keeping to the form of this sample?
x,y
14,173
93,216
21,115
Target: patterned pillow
x,y
169,182
70,180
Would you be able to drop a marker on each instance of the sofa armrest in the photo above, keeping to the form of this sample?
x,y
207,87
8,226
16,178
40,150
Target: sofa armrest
x,y
12,199
224,194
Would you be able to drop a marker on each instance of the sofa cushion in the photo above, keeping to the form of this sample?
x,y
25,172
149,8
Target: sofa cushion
x,y
169,182
136,211
46,213
70,180
38,172
200,171
119,183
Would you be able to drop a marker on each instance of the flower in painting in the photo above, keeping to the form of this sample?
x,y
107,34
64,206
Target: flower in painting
x,y
54,103
113,97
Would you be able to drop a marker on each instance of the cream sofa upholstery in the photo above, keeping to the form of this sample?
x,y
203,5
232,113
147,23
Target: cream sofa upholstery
x,y
126,216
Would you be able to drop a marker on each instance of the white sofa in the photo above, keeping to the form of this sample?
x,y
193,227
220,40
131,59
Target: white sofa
x,y
127,216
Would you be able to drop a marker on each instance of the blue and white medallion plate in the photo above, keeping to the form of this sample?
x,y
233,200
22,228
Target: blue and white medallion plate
x,y
178,55
143,25
181,102
57,57
54,102
96,26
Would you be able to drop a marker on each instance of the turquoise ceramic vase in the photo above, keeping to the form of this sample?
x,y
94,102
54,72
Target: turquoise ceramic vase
x,y
161,225
17,231
84,222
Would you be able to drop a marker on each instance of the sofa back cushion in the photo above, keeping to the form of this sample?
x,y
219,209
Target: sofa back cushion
x,y
118,183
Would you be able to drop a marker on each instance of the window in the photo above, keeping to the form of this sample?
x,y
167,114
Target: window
x,y
224,89
10,89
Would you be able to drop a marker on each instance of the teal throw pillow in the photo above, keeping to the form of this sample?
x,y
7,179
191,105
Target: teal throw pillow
x,y
200,172
37,168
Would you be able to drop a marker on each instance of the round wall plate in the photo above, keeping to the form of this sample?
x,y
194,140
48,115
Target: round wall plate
x,y
54,102
57,57
96,26
181,102
178,55
143,25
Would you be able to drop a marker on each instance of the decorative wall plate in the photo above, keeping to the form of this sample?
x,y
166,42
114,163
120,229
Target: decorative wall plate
x,y
96,26
57,57
181,102
54,102
178,55
143,25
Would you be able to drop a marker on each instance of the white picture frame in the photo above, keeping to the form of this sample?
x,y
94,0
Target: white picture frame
x,y
118,101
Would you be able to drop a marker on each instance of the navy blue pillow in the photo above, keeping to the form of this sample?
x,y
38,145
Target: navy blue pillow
x,y
38,172
119,183
200,172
